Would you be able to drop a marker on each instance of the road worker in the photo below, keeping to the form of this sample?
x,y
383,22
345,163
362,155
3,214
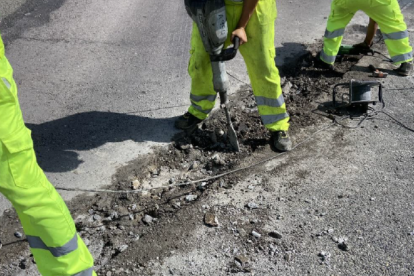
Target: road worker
x,y
386,13
47,223
253,22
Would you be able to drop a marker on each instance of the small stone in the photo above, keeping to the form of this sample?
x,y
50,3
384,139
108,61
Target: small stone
x,y
114,215
202,186
324,255
97,217
131,217
242,259
190,198
256,234
286,87
193,166
275,234
135,184
147,219
342,239
242,232
186,147
411,233
330,231
343,246
372,199
18,235
252,205
172,180
122,248
210,219
91,211
145,194
287,257
220,132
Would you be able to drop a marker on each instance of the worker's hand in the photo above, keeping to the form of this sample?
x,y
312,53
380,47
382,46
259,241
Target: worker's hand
x,y
241,33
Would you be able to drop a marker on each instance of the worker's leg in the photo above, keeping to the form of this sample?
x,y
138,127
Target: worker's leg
x,y
202,95
338,19
259,54
49,228
387,14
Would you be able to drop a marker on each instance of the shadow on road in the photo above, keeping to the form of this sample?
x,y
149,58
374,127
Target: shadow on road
x,y
56,142
289,53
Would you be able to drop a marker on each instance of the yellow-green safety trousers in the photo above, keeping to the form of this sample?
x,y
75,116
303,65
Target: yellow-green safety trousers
x,y
47,223
259,56
386,13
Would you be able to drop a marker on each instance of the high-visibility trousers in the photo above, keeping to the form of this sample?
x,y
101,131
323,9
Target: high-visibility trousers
x,y
259,56
386,13
47,223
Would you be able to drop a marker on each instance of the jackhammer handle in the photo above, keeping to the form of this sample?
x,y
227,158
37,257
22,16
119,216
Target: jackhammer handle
x,y
228,53
236,42
334,92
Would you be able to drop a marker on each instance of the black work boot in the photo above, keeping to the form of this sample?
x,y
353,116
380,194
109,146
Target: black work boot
x,y
187,122
318,63
404,69
281,141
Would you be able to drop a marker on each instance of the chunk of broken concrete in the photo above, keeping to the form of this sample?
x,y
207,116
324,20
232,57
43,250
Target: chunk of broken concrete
x,y
190,198
210,219
135,184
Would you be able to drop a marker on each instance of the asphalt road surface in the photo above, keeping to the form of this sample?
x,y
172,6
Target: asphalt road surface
x,y
102,82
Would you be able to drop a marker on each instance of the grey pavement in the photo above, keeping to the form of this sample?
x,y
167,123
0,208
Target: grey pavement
x,y
100,83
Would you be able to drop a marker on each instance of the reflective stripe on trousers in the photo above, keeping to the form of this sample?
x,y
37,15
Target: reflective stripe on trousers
x,y
326,58
37,243
402,58
87,272
334,34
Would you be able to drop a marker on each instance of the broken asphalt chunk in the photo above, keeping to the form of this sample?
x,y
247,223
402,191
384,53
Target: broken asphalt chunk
x,y
210,219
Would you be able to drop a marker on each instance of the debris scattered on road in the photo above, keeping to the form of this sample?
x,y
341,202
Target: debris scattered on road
x,y
210,219
275,234
122,248
252,205
18,235
148,219
325,256
256,234
190,198
135,184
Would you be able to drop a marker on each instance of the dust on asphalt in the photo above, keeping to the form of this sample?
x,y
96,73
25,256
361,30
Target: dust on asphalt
x,y
126,233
